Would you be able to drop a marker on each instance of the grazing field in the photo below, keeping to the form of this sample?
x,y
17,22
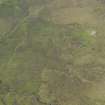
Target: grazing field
x,y
52,52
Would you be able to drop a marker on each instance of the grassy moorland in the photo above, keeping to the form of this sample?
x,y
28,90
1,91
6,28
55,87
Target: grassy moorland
x,y
52,52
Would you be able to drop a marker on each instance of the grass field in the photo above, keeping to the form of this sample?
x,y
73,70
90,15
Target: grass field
x,y
52,52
